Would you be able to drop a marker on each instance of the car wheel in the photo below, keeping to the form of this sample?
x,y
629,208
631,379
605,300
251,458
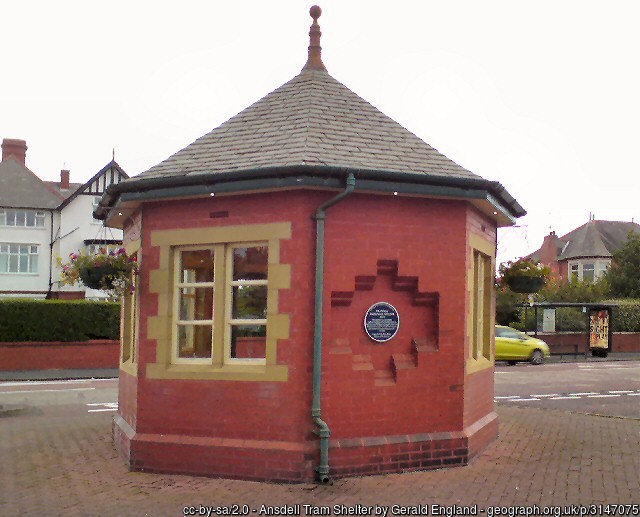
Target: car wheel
x,y
512,363
537,357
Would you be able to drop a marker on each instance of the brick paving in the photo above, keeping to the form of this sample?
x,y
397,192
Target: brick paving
x,y
66,465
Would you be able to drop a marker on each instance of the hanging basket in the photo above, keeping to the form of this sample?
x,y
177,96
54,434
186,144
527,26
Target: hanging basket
x,y
100,277
525,284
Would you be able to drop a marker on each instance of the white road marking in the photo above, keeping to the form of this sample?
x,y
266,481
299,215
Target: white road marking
x,y
634,394
548,395
44,391
565,398
600,396
110,406
520,400
584,393
620,391
44,383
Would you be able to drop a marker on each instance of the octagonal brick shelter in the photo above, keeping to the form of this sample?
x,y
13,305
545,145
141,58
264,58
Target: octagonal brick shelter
x,y
314,299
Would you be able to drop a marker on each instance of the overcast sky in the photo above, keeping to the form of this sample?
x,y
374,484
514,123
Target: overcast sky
x,y
542,96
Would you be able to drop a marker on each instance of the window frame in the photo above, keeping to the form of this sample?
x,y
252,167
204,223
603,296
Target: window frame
x,y
39,216
158,325
30,254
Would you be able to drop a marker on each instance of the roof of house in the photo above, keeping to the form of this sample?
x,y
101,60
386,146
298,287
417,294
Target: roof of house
x,y
592,239
84,186
21,188
597,239
65,193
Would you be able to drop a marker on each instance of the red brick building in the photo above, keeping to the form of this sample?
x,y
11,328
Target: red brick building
x,y
315,296
584,253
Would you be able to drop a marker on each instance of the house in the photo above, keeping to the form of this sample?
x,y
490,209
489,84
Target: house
x,y
315,295
584,253
42,220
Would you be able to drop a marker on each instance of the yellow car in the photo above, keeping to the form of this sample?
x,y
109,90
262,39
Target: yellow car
x,y
513,346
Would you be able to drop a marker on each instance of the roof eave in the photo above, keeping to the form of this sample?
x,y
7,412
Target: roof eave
x,y
499,203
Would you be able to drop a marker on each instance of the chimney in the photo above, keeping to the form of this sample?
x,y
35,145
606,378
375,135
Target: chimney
x,y
15,148
64,179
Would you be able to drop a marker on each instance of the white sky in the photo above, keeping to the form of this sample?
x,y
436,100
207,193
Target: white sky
x,y
542,96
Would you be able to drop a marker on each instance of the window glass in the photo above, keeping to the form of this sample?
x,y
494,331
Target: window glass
x,y
3,218
588,272
31,218
250,263
194,341
40,219
197,266
196,303
11,217
250,302
248,341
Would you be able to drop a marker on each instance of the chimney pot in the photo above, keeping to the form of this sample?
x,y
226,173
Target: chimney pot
x,y
15,148
64,179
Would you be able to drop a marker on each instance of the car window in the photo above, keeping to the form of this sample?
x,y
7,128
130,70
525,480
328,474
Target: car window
x,y
508,333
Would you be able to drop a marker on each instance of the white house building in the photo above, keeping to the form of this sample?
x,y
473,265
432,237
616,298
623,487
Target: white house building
x,y
40,220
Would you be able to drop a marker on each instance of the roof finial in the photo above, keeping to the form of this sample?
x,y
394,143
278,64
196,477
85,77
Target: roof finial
x,y
314,61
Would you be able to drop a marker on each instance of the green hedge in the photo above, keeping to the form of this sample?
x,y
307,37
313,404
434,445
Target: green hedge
x,y
626,317
58,320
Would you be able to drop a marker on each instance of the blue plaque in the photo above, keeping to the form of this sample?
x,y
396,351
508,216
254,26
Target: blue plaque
x,y
381,322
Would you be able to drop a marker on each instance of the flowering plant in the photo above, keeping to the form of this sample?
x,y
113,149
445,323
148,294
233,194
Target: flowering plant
x,y
108,270
523,275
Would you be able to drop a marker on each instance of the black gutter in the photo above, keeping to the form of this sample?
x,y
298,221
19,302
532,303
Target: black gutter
x,y
271,173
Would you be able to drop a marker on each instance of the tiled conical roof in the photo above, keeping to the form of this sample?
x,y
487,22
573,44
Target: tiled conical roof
x,y
311,120
312,126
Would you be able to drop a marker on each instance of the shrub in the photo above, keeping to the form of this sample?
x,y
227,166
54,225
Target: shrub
x,y
58,320
626,317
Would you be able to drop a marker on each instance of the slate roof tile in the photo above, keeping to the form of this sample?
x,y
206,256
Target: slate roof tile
x,y
315,120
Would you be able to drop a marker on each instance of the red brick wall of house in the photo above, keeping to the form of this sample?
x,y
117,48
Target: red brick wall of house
x,y
59,355
409,252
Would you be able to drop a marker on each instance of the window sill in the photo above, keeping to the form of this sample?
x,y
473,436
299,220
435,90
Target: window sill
x,y
227,372
477,365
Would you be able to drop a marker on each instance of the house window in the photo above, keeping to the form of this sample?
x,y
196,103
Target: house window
x,y
588,272
18,258
575,274
94,207
234,329
22,218
481,306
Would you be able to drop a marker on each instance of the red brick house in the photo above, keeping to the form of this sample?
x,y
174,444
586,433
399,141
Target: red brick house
x,y
584,253
315,295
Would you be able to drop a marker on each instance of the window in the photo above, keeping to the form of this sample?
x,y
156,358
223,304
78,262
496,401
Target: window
x,y
230,332
94,206
130,322
575,274
22,218
588,271
94,249
481,306
18,258
218,307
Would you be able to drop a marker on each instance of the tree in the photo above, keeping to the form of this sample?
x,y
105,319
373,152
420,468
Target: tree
x,y
623,277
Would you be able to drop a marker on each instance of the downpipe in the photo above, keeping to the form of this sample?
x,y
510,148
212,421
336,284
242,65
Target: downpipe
x,y
322,430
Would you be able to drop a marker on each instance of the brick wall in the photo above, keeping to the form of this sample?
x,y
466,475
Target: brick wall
x,y
576,342
58,355
409,252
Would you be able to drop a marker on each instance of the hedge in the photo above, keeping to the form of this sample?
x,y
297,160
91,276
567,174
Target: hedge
x,y
626,317
58,320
